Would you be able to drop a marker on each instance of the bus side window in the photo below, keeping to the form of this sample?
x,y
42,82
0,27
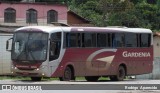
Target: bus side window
x,y
109,40
55,45
73,40
145,40
101,40
104,40
89,40
119,40
131,40
113,40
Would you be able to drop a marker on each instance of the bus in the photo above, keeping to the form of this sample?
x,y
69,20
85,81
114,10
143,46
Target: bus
x,y
90,52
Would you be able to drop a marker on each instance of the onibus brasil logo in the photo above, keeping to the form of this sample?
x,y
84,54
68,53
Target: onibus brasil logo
x,y
21,87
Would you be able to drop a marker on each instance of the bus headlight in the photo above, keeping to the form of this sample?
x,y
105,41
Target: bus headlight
x,y
15,67
37,69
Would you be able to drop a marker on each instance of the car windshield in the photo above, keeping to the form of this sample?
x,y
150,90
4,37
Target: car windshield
x,y
29,46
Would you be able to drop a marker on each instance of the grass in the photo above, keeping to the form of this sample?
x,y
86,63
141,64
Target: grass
x,y
14,78
50,79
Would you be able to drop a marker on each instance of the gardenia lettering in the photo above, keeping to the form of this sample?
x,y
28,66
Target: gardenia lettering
x,y
136,54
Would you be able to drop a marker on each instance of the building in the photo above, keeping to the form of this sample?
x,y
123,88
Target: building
x,y
16,14
156,42
24,13
74,19
156,64
5,56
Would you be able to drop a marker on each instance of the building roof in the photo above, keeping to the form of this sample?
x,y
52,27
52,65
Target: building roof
x,y
156,34
78,16
8,29
39,3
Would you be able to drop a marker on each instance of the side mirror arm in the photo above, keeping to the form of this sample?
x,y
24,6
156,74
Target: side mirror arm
x,y
7,44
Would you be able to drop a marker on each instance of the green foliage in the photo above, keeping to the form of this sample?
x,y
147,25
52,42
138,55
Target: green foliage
x,y
152,1
123,19
53,1
150,13
143,15
158,4
10,0
130,13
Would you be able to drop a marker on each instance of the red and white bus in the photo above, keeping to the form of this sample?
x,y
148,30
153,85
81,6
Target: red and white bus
x,y
92,52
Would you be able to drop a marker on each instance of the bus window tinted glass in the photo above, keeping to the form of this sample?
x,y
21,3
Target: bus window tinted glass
x,y
104,40
73,40
89,40
145,40
131,40
118,40
101,40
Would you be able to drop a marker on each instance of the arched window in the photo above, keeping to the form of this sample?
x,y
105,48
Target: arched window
x,y
52,16
31,16
9,15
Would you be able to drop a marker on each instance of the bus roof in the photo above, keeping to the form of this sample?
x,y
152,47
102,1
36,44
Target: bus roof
x,y
51,29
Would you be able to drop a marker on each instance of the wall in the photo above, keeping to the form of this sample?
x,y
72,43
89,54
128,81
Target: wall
x,y
156,43
5,56
41,8
156,64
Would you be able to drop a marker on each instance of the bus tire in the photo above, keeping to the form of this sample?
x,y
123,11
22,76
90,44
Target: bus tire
x,y
121,73
36,78
67,75
92,78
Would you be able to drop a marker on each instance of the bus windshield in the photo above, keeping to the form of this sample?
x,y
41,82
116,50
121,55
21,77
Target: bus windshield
x,y
29,46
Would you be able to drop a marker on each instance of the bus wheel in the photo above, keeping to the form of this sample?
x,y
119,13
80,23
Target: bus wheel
x,y
120,74
68,75
36,78
92,78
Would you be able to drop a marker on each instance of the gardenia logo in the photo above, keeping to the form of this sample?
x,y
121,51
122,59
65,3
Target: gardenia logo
x,y
136,54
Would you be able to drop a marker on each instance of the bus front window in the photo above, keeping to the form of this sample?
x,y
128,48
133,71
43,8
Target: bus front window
x,y
29,46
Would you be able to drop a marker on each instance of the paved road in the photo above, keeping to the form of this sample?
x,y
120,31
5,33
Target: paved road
x,y
126,86
132,81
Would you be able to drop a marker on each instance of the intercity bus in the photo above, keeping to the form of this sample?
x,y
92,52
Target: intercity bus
x,y
90,52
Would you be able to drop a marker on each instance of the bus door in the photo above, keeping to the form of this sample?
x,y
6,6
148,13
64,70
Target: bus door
x,y
54,51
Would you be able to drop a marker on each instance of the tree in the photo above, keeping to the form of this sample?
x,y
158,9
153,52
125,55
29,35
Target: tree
x,y
52,1
136,1
158,4
142,15
151,1
11,0
108,7
150,13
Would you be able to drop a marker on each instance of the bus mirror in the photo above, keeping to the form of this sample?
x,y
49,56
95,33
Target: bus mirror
x,y
8,44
